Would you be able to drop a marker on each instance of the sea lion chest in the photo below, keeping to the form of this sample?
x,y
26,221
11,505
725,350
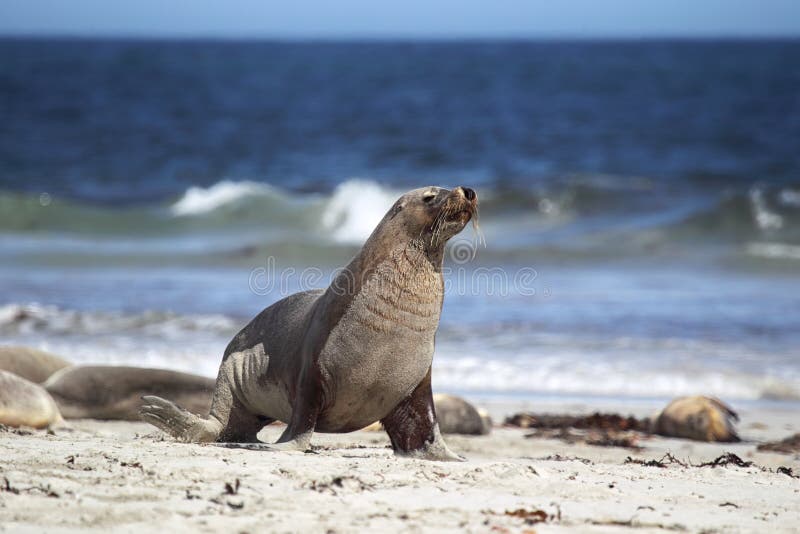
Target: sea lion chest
x,y
382,347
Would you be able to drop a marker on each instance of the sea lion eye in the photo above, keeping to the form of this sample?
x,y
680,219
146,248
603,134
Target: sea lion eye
x,y
428,196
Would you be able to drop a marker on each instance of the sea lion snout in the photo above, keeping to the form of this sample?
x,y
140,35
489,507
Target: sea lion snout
x,y
460,205
468,193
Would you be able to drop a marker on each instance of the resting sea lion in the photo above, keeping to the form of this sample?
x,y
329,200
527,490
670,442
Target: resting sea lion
x,y
698,418
336,360
111,392
23,403
31,364
455,416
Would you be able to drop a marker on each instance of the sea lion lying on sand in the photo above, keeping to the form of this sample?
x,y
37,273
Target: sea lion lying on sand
x,y
23,403
455,416
31,364
698,418
339,359
111,392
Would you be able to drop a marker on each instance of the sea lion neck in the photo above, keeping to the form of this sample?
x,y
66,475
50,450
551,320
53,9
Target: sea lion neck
x,y
417,253
414,255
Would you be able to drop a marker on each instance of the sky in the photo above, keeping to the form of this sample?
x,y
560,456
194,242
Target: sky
x,y
397,19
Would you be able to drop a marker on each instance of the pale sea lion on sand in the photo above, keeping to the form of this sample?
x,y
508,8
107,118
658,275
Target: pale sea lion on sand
x,y
111,392
339,359
455,416
31,364
23,403
698,418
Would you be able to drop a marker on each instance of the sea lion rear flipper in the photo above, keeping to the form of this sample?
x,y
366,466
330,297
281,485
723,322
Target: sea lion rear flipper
x,y
178,422
421,439
725,408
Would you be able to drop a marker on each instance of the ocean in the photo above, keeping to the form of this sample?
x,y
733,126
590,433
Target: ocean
x,y
640,201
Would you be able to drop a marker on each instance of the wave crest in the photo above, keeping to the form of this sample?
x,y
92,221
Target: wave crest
x,y
355,208
199,200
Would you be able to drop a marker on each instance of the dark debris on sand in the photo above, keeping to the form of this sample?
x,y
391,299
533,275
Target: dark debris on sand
x,y
46,490
788,445
725,460
598,429
339,483
720,461
787,471
665,460
530,516
668,459
595,421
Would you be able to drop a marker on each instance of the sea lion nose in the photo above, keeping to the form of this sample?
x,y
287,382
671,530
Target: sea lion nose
x,y
469,193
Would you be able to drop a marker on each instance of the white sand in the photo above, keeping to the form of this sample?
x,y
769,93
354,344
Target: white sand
x,y
126,477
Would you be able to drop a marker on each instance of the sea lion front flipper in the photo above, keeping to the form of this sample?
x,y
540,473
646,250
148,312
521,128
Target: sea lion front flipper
x,y
413,429
297,436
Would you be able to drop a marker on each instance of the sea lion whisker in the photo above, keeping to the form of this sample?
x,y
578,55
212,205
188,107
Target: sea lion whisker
x,y
476,227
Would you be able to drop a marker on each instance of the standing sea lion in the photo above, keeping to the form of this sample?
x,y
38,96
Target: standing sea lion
x,y
115,392
339,359
23,403
31,364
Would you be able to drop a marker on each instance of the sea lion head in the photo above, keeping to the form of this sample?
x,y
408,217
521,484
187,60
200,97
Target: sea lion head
x,y
431,215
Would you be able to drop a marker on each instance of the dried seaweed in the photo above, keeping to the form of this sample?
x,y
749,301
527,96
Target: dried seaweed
x,y
531,517
788,445
665,460
725,460
787,471
559,458
342,482
232,489
7,487
595,421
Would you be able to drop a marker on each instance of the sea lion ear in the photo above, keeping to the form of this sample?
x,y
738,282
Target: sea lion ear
x,y
397,208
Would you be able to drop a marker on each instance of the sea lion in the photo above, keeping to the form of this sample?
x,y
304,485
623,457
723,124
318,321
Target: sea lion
x,y
698,418
455,416
31,364
336,360
23,403
112,392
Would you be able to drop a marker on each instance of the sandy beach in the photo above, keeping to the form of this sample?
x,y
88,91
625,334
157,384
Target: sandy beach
x,y
126,477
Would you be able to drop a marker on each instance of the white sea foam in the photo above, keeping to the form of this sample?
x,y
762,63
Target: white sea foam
x,y
199,200
355,208
48,320
765,218
489,375
195,343
774,250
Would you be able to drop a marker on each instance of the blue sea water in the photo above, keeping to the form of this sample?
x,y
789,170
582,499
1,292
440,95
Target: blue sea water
x,y
640,201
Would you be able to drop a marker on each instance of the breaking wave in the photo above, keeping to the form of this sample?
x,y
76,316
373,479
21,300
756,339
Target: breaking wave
x,y
577,218
200,200
355,208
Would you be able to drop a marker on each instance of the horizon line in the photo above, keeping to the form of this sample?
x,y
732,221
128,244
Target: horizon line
x,y
542,37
